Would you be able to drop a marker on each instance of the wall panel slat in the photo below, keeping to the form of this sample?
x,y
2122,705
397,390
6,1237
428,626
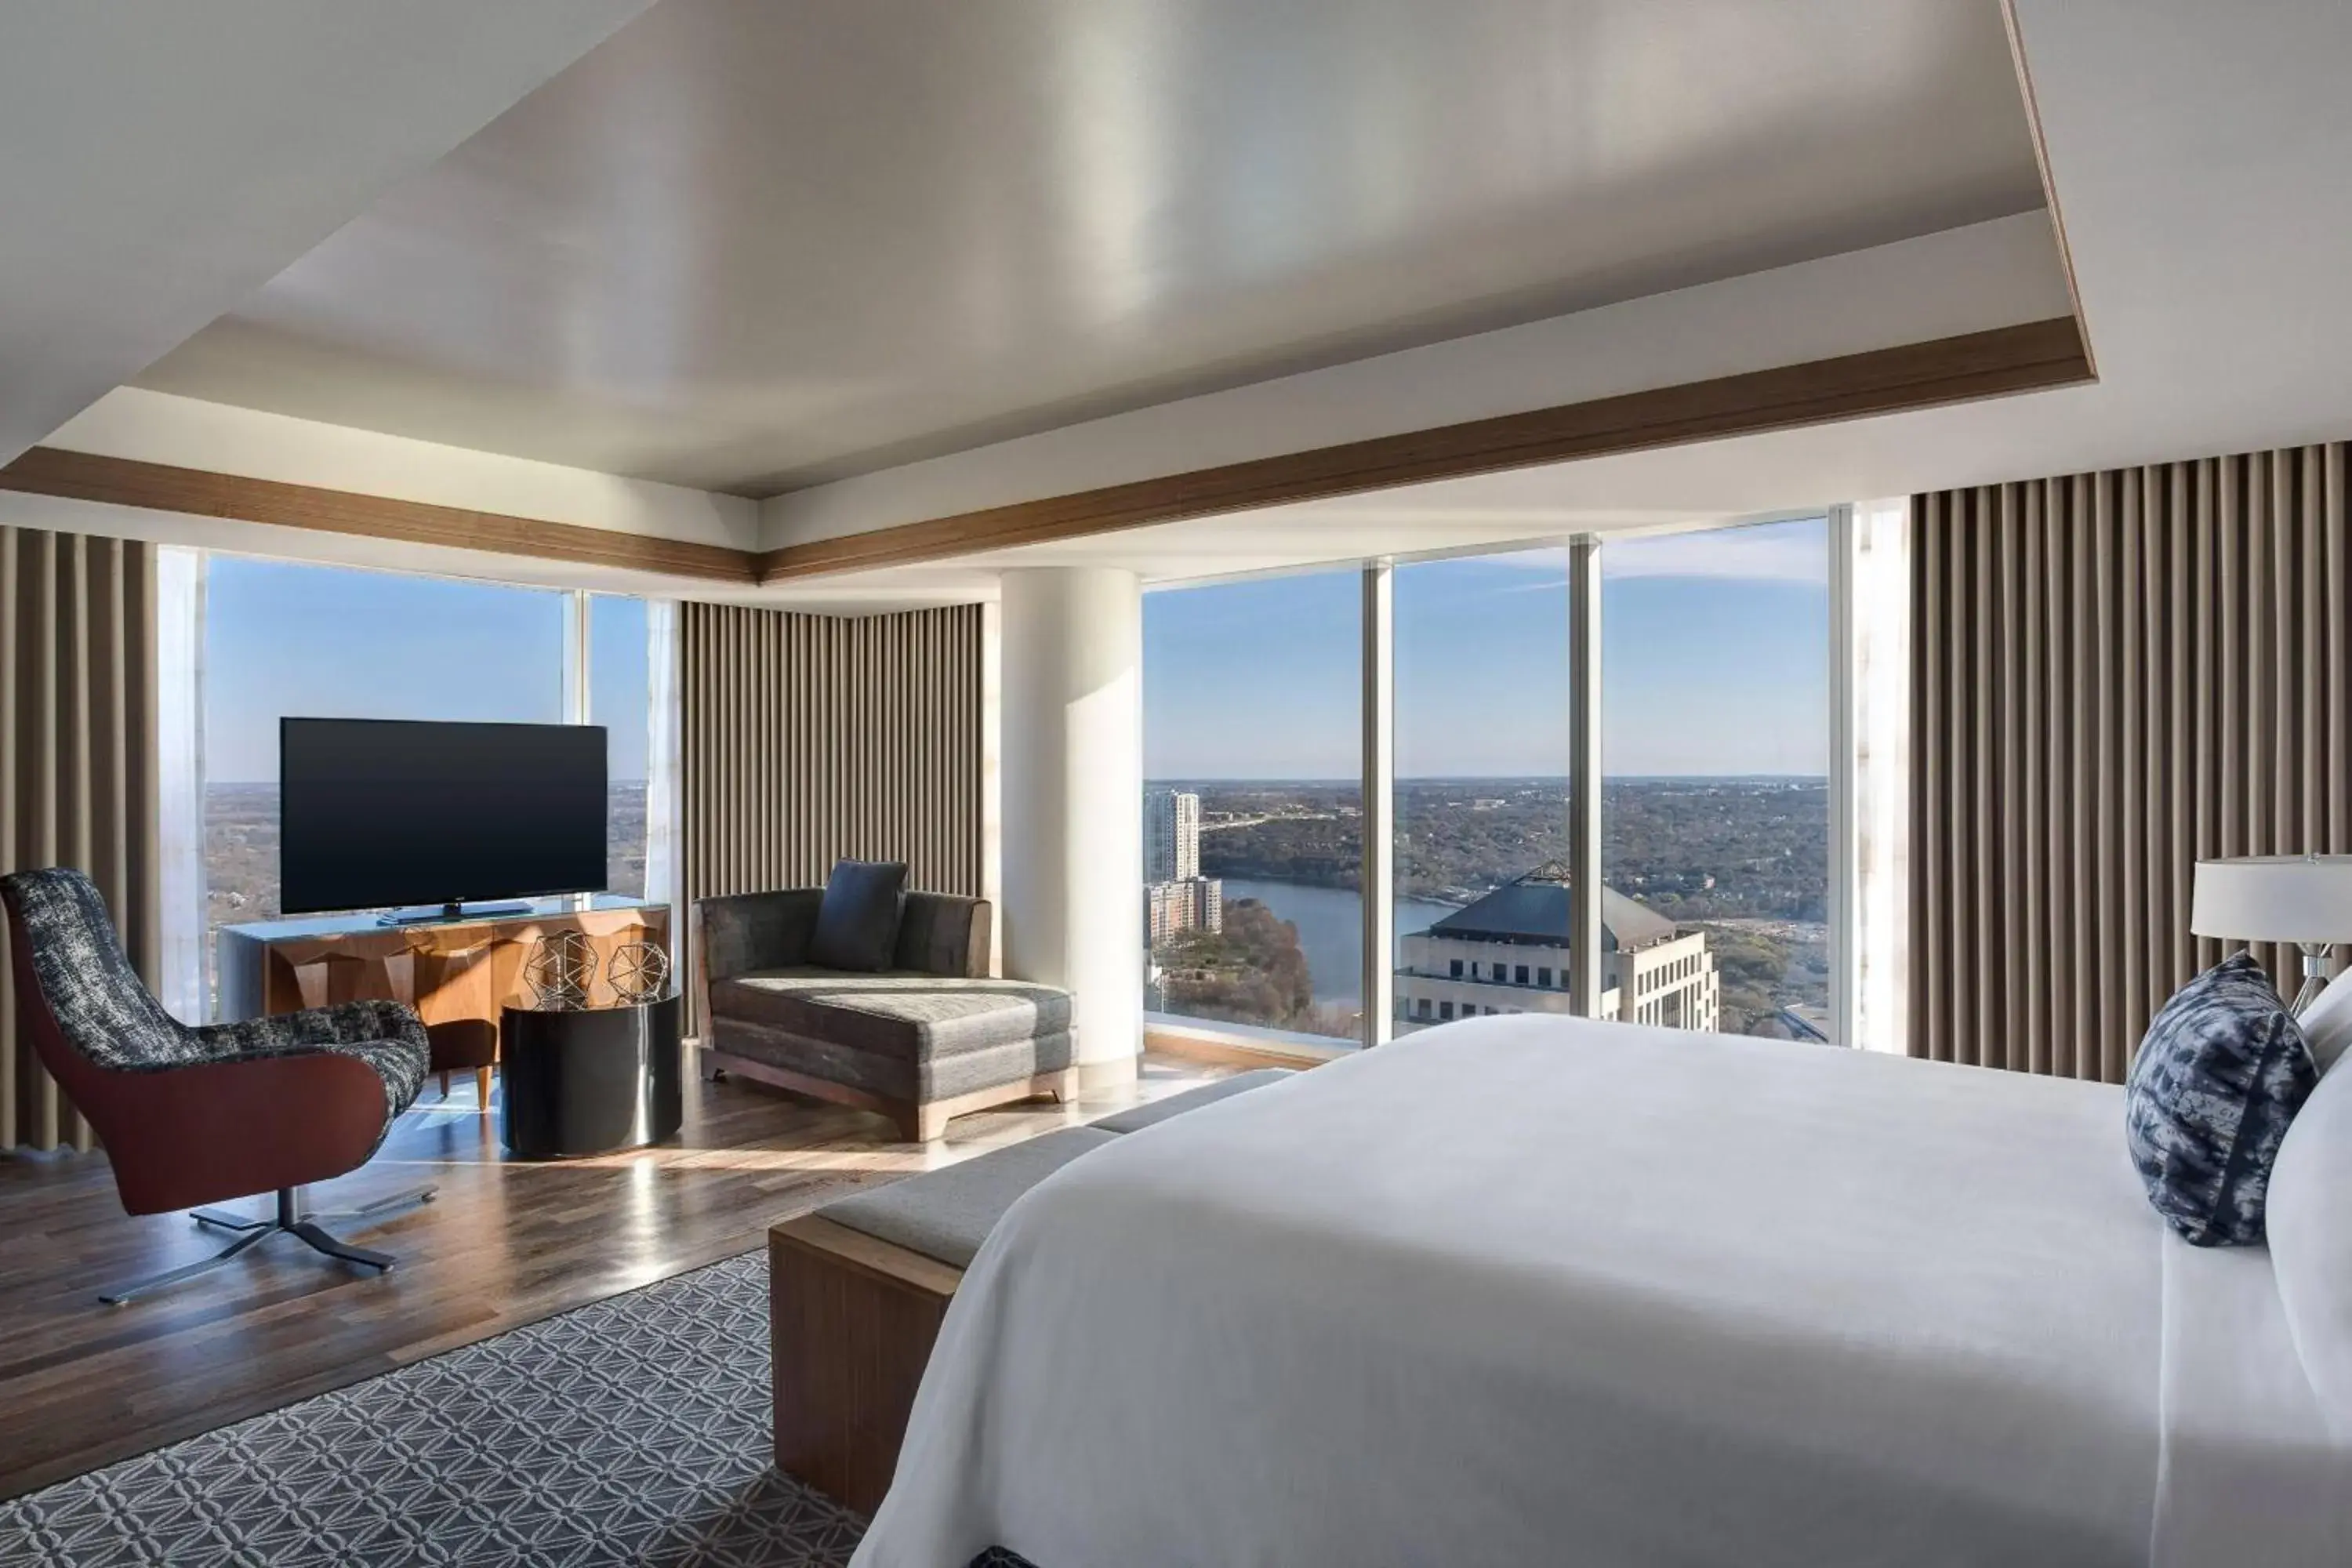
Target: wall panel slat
x,y
78,781
2115,674
810,739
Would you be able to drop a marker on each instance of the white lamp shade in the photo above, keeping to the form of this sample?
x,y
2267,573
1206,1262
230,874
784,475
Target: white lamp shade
x,y
2274,897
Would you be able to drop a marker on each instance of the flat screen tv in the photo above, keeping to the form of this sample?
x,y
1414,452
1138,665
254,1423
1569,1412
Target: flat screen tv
x,y
376,813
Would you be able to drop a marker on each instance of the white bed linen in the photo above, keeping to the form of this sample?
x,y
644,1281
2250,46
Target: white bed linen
x,y
2252,1476
1527,1290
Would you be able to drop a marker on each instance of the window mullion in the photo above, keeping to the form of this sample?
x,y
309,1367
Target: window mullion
x,y
1378,873
1584,968
576,656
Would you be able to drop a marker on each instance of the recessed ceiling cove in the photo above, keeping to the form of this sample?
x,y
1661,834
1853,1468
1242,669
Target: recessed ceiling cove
x,y
750,248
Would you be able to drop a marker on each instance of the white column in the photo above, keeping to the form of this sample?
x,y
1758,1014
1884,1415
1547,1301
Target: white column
x,y
1071,649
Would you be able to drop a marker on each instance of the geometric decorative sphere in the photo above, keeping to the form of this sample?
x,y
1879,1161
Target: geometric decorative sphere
x,y
637,972
559,970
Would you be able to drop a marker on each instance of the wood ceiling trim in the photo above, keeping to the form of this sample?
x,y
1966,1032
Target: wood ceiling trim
x,y
2028,357
2033,106
2003,359
159,487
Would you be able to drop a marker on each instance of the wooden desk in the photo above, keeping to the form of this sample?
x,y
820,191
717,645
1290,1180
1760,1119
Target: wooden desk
x,y
465,969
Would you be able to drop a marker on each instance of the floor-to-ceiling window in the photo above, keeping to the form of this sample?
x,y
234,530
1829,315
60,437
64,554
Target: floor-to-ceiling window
x,y
1481,733
1253,840
283,639
1708,692
1714,746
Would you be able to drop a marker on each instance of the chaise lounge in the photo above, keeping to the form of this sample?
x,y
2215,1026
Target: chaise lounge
x,y
862,993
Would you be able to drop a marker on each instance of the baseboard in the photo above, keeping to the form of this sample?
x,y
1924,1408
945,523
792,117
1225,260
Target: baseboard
x,y
1114,1074
1220,1048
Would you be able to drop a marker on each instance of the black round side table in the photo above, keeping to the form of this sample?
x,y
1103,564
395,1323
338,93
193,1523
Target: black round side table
x,y
588,1080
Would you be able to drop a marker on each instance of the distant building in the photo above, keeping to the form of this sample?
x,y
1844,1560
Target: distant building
x,y
1190,903
1171,836
1509,952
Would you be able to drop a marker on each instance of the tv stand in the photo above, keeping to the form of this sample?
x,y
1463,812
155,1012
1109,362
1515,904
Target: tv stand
x,y
427,916
460,973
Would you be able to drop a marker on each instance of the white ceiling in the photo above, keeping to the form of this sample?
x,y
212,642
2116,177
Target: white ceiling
x,y
745,246
161,162
2211,247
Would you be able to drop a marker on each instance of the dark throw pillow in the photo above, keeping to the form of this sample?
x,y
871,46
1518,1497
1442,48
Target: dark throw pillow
x,y
2222,1071
857,922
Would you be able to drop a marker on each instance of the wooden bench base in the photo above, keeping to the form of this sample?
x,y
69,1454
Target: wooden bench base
x,y
851,1322
917,1123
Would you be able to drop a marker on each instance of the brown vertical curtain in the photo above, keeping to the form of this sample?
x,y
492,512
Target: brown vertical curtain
x,y
809,738
77,765
2115,674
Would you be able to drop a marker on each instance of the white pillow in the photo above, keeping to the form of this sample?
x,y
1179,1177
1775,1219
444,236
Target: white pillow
x,y
2308,1216
2327,1027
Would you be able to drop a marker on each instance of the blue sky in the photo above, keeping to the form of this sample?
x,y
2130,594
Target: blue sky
x,y
324,642
1714,660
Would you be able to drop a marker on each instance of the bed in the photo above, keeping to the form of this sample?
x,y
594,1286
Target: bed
x,y
1532,1291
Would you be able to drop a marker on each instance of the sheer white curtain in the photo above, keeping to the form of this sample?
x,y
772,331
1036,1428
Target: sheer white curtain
x,y
1881,761
180,724
662,864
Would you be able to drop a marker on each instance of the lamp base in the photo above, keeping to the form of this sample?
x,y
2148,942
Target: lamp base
x,y
2315,976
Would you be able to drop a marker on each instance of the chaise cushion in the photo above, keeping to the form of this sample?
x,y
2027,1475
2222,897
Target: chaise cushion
x,y
948,1213
898,1014
858,921
942,933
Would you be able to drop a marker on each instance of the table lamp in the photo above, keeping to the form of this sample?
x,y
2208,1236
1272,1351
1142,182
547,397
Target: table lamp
x,y
2305,899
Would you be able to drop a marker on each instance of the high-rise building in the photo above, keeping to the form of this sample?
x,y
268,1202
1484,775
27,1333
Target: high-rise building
x,y
1190,903
1188,836
1159,835
1509,952
1171,836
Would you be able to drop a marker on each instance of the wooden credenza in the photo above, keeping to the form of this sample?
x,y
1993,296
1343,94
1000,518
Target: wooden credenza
x,y
449,971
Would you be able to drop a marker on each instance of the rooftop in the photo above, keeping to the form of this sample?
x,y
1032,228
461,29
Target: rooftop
x,y
1535,909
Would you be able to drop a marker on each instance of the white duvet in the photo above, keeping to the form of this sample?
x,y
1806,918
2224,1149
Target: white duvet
x,y
1535,1290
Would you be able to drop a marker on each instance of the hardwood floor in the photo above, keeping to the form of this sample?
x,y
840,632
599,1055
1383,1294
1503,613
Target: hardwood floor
x,y
505,1242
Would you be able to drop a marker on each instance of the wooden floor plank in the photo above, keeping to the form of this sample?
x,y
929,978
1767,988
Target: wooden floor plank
x,y
505,1242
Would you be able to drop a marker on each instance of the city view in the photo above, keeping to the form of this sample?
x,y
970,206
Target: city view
x,y
1741,861
1714,735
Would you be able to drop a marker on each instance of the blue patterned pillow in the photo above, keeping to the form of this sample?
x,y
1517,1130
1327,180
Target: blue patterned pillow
x,y
2222,1071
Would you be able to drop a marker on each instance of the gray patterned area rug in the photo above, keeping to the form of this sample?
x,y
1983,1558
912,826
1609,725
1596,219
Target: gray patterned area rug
x,y
635,1430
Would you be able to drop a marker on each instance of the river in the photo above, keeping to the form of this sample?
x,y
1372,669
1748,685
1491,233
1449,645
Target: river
x,y
1330,923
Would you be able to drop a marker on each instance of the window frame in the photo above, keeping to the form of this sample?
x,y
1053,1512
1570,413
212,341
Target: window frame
x,y
1581,977
190,907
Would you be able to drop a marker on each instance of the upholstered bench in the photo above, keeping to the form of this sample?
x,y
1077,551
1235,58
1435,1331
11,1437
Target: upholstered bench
x,y
1151,1112
856,1292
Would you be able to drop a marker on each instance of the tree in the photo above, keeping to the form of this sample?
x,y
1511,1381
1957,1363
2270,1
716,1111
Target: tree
x,y
1253,972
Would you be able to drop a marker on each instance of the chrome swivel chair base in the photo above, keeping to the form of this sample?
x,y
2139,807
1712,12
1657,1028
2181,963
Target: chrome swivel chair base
x,y
308,1228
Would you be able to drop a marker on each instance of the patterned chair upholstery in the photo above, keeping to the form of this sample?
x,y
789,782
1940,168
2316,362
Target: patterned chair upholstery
x,y
108,1015
195,1114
